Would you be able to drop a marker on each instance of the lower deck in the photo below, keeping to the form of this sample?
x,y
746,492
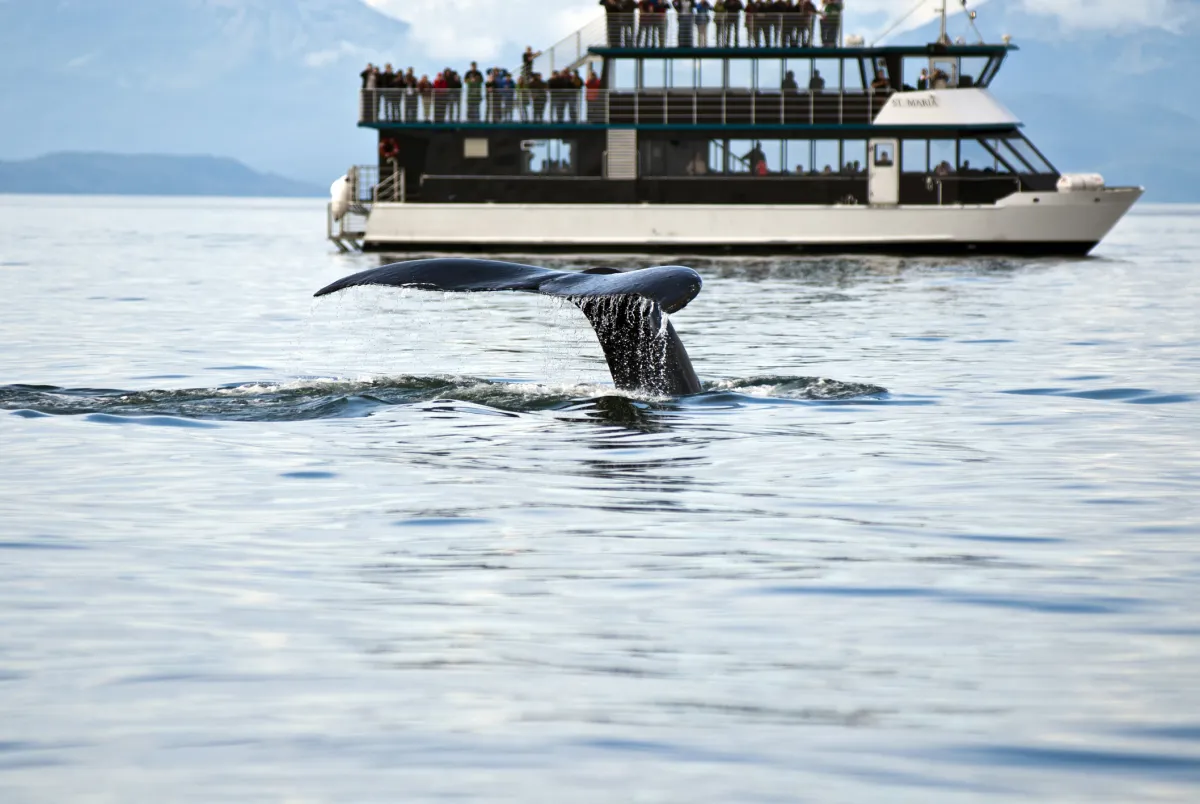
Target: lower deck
x,y
1022,223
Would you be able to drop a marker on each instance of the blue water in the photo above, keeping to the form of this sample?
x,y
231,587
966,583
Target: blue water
x,y
931,534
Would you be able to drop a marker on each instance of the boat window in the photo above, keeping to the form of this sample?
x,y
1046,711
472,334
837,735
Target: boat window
x,y
974,159
853,76
1023,148
683,73
654,73
912,68
770,74
712,74
943,73
475,148
828,73
854,156
624,74
885,155
548,158
970,69
740,73
677,158
913,156
943,156
827,157
799,156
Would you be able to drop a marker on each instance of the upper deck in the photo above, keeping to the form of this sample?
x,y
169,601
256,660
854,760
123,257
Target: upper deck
x,y
726,71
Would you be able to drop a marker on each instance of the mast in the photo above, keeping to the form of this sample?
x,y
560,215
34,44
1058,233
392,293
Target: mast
x,y
942,35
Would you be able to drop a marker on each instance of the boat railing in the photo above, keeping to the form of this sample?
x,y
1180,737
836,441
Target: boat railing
x,y
362,179
571,51
665,106
957,188
711,29
393,186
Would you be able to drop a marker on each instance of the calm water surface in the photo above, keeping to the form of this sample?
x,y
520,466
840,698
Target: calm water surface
x,y
398,546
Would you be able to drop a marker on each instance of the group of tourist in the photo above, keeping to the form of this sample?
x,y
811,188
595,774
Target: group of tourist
x,y
767,23
399,96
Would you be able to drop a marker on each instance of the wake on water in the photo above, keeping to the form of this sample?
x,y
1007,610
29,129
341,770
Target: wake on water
x,y
325,398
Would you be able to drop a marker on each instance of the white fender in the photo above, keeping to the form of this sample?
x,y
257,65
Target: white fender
x,y
339,195
1078,182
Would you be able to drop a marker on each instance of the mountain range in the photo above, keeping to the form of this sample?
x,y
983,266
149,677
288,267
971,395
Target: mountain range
x,y
78,173
272,83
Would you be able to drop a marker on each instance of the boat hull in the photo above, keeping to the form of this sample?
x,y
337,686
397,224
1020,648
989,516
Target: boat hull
x,y
1028,223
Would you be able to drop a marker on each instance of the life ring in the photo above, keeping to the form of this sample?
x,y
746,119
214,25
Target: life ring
x,y
388,148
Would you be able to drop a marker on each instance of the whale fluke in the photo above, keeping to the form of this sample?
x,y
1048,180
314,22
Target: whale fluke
x,y
626,309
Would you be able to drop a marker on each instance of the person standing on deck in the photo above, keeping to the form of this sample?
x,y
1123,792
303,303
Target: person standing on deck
x,y
702,11
831,21
576,90
612,23
733,10
386,82
808,13
645,22
369,102
439,97
683,9
752,23
628,9
410,96
509,94
527,61
595,105
789,23
660,19
453,95
537,91
425,91
474,81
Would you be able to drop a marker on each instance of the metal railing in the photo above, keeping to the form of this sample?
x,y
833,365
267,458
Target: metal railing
x,y
716,29
393,187
571,51
537,105
363,179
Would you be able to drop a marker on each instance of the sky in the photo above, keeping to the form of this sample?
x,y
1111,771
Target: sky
x,y
491,29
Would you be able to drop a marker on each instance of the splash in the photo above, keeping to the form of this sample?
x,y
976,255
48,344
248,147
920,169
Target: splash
x,y
335,397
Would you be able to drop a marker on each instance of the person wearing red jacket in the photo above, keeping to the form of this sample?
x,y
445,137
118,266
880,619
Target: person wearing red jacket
x,y
440,86
595,106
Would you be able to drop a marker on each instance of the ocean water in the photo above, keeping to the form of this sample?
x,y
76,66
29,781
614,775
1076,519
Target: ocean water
x,y
931,534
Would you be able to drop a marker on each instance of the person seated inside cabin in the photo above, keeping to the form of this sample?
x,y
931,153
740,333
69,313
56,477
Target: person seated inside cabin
x,y
816,83
943,168
883,159
789,82
697,166
923,81
799,171
828,171
881,83
939,80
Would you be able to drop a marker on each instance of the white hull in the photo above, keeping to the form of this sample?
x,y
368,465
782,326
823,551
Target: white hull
x,y
1028,222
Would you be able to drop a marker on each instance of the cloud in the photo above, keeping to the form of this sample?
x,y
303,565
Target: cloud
x,y
496,30
1118,15
487,30
343,50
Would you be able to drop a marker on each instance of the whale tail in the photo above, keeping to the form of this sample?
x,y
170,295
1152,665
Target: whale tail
x,y
627,310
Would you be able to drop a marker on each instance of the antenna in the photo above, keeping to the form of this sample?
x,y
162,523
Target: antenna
x,y
942,37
